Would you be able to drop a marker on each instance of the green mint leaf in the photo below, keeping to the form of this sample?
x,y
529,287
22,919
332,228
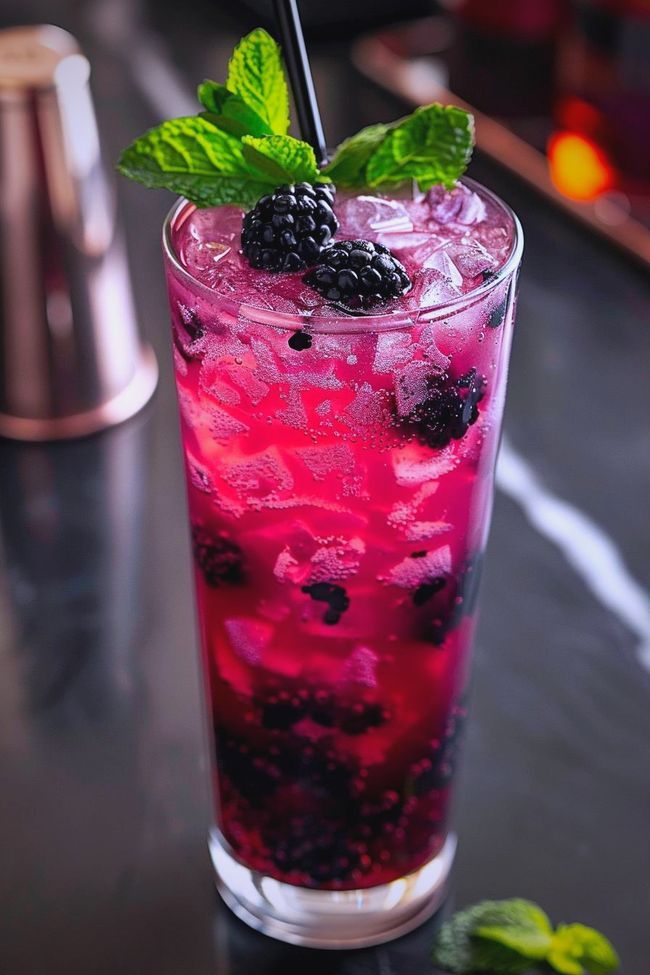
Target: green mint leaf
x,y
577,949
456,950
193,158
229,111
517,924
433,145
348,167
281,159
256,74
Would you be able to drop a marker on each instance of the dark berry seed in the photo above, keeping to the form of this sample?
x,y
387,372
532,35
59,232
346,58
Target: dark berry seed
x,y
348,282
300,341
325,275
359,258
287,230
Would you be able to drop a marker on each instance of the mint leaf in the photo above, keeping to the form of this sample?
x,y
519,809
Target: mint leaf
x,y
193,158
455,949
509,937
348,167
256,74
517,924
577,949
433,145
281,159
229,111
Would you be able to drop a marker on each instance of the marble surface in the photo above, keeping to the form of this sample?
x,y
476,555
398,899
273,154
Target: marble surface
x,y
103,799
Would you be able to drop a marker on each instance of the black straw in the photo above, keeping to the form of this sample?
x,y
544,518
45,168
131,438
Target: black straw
x,y
302,83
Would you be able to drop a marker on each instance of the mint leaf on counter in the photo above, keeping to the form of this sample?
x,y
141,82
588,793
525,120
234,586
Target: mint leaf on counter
x,y
229,111
256,74
577,949
456,950
511,937
281,159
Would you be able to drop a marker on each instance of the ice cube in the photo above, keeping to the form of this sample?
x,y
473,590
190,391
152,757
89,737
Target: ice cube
x,y
249,638
431,287
361,667
420,531
361,215
409,471
412,572
337,560
293,414
224,427
260,476
409,245
322,461
441,261
248,382
412,386
460,205
392,349
470,258
211,380
366,409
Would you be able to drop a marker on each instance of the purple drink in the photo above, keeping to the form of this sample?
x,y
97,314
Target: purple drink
x,y
340,474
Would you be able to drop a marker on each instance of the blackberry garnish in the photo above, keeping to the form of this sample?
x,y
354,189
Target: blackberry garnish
x,y
358,274
335,596
219,559
287,230
450,408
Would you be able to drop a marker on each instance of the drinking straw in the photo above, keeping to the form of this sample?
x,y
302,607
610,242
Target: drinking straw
x,y
302,83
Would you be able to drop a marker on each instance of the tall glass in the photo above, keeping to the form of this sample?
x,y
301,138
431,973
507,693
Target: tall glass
x,y
340,477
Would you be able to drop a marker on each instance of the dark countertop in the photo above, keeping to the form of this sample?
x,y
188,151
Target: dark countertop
x,y
103,802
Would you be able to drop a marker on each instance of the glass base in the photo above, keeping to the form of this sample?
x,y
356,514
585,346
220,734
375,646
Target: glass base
x,y
331,918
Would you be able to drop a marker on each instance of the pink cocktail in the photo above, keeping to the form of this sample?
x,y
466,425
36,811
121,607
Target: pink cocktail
x,y
340,472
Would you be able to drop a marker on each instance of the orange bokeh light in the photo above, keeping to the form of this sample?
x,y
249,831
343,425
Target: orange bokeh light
x,y
579,168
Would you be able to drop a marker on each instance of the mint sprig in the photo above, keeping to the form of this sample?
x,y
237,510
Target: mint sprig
x,y
511,937
237,147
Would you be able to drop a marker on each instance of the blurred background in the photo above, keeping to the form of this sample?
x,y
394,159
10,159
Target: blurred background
x,y
103,801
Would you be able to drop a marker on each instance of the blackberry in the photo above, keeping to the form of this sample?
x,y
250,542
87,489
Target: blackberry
x,y
441,762
335,596
315,846
457,599
219,559
358,274
282,711
287,230
300,341
450,408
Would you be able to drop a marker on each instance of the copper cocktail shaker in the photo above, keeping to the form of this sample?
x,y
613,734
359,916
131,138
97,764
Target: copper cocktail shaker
x,y
71,359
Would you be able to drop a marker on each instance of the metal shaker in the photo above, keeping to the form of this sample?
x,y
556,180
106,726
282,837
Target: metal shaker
x,y
71,358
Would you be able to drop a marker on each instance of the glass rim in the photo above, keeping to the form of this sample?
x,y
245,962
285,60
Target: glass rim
x,y
351,323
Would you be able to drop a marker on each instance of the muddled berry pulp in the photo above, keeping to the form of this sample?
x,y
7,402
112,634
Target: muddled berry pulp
x,y
339,490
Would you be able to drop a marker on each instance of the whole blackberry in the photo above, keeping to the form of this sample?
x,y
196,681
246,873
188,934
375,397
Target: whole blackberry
x,y
450,408
219,559
358,274
287,230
